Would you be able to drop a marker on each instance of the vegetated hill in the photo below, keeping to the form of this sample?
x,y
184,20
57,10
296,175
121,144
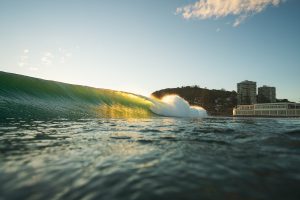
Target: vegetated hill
x,y
216,102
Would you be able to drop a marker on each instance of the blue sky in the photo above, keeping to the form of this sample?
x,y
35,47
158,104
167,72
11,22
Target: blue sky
x,y
141,46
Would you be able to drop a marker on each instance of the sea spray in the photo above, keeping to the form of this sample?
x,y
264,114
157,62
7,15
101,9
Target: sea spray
x,y
175,106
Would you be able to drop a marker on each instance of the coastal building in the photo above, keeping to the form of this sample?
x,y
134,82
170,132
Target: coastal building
x,y
246,92
266,94
268,109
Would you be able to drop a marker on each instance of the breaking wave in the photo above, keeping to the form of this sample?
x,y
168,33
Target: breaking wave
x,y
175,106
27,97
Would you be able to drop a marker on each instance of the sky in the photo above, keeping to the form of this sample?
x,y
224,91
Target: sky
x,y
141,46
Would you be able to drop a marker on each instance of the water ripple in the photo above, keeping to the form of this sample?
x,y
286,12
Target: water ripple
x,y
159,158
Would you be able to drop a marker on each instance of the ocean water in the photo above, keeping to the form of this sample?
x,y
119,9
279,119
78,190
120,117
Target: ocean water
x,y
63,141
150,158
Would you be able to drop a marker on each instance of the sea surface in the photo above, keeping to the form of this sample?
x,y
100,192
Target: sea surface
x,y
150,158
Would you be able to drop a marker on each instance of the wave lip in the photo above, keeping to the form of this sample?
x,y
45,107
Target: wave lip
x,y
175,106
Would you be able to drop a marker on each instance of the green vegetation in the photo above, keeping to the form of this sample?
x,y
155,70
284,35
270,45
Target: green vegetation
x,y
216,102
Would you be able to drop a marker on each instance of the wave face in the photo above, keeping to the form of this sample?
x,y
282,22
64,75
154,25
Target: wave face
x,y
27,97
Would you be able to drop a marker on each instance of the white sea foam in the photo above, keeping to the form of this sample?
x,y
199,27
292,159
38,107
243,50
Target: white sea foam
x,y
175,106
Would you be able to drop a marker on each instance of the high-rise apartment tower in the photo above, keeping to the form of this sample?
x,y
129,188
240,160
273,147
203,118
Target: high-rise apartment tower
x,y
266,94
246,92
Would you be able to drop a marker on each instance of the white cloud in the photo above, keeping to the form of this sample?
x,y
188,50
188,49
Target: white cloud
x,y
206,9
50,57
47,58
64,55
23,61
239,20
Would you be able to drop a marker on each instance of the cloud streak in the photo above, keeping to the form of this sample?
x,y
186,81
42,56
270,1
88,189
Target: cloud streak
x,y
24,58
64,55
214,9
24,61
32,60
47,58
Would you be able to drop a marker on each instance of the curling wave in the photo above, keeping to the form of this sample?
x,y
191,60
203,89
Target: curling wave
x,y
175,106
27,97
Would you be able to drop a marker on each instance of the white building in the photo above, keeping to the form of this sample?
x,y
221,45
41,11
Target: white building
x,y
268,109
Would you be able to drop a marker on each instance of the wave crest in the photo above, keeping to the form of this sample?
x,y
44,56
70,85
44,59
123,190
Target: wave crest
x,y
27,97
175,106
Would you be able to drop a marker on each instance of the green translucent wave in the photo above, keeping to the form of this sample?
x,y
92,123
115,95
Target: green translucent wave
x,y
27,97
